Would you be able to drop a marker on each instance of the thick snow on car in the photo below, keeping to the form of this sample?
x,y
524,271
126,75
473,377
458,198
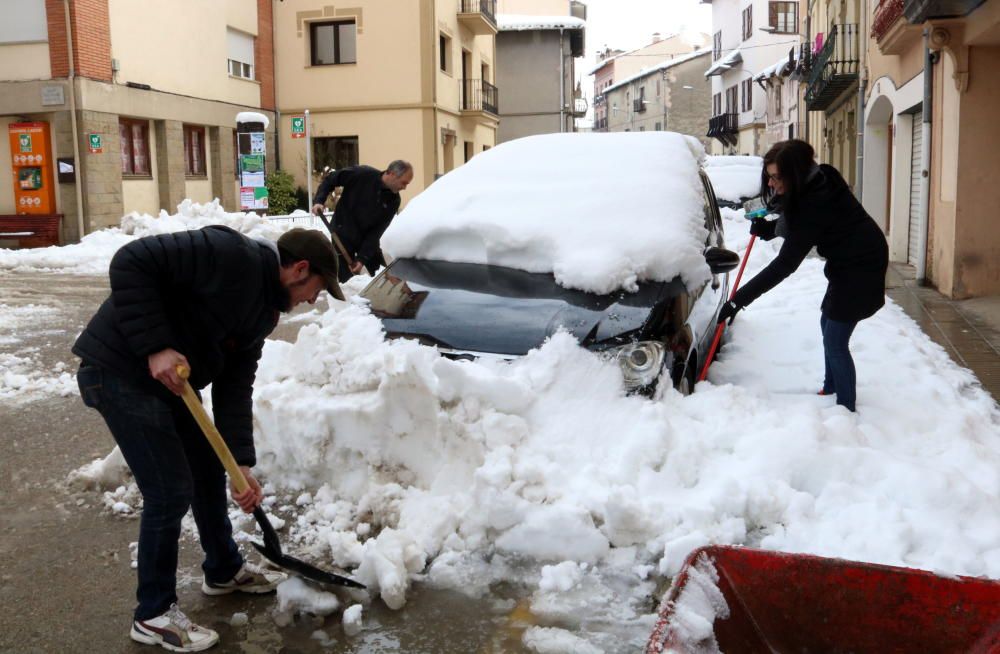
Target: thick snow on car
x,y
735,178
614,238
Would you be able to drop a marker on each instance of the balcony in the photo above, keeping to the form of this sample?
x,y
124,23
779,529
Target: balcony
x,y
480,16
725,128
891,31
834,69
479,97
918,11
639,106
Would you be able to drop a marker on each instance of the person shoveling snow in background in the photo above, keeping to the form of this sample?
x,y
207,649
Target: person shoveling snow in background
x,y
368,203
818,209
204,299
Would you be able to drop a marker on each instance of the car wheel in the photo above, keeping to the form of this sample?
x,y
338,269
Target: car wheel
x,y
685,381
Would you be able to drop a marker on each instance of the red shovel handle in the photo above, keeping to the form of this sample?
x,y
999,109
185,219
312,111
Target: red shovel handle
x,y
722,325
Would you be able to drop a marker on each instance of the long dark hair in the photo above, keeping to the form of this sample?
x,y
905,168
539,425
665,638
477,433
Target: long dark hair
x,y
795,161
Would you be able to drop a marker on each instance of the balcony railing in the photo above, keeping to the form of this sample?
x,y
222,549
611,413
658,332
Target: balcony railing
x,y
886,13
638,105
835,67
480,16
480,96
725,127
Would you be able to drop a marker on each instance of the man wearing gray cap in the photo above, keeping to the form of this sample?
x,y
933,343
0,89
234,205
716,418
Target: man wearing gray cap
x,y
205,299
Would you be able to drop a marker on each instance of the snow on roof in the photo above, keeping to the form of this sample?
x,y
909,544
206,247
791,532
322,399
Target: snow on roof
x,y
521,22
600,211
724,64
734,177
664,65
778,68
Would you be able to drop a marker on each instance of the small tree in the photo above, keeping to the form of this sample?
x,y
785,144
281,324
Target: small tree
x,y
281,198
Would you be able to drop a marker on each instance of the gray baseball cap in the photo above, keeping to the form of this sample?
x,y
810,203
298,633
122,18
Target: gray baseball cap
x,y
314,247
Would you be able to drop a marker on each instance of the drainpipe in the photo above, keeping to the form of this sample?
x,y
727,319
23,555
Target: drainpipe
x,y
72,117
802,97
925,161
562,82
862,87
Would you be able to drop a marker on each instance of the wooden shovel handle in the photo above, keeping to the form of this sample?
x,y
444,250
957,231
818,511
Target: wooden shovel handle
x,y
211,433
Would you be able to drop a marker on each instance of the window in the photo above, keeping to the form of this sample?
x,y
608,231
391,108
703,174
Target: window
x,y
444,47
659,126
784,17
134,137
240,47
748,22
194,151
336,152
777,98
717,104
732,98
333,43
717,46
657,88
746,103
26,23
468,151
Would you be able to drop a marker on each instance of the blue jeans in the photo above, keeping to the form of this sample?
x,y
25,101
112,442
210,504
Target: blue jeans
x,y
175,468
840,377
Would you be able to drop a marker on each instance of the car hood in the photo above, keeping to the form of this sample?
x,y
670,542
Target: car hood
x,y
482,308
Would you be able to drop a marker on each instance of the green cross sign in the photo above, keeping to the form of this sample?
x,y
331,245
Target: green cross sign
x,y
25,141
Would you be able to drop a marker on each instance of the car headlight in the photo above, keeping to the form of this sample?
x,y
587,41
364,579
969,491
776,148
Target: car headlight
x,y
640,362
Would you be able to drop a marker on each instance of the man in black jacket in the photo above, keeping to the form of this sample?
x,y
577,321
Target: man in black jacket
x,y
205,299
368,203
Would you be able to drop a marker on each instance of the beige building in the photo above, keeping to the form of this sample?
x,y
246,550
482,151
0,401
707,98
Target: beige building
x,y
930,155
672,95
536,48
384,80
140,99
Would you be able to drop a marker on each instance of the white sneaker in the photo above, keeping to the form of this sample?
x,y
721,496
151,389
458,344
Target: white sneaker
x,y
173,631
250,579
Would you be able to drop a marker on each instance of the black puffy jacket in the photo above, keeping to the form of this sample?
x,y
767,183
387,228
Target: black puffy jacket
x,y
832,220
211,294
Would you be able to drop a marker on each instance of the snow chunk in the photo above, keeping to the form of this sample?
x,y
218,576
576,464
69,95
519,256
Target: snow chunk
x,y
550,640
734,177
699,604
533,204
252,117
352,620
295,596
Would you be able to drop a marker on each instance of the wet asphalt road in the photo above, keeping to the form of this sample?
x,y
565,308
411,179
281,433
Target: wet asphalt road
x,y
66,584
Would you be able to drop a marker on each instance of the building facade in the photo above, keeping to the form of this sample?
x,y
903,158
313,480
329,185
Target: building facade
x,y
138,118
748,37
536,68
929,153
385,81
672,95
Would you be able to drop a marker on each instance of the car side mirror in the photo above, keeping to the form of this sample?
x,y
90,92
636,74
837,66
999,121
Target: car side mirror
x,y
721,260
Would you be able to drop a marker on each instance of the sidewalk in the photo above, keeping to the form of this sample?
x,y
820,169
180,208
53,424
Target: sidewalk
x,y
968,329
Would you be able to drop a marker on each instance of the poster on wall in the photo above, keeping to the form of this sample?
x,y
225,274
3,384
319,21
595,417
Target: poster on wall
x,y
252,170
257,143
253,197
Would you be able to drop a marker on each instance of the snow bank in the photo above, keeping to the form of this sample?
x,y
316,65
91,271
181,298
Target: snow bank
x,y
599,211
734,178
93,253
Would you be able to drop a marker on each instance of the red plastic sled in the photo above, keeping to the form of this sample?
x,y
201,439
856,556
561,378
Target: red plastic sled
x,y
799,603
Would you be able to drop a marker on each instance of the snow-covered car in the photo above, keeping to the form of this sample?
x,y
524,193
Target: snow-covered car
x,y
614,238
735,178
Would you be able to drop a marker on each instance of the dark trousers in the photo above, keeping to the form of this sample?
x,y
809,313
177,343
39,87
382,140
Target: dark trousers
x,y
840,376
175,468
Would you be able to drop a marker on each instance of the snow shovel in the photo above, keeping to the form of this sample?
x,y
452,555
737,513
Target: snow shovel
x,y
336,240
271,549
754,208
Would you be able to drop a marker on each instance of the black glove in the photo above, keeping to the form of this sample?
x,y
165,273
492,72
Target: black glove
x,y
728,312
763,228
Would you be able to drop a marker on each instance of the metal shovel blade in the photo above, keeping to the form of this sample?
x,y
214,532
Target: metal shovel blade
x,y
271,549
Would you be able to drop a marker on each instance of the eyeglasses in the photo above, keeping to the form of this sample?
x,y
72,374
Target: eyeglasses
x,y
775,177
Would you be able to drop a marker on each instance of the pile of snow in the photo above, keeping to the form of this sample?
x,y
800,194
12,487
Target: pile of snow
x,y
93,253
599,211
699,604
405,467
734,178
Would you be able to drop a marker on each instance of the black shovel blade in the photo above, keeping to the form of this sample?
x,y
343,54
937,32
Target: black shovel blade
x,y
271,549
307,570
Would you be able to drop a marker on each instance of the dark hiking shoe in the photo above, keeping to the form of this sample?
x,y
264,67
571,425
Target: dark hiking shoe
x,y
173,631
250,579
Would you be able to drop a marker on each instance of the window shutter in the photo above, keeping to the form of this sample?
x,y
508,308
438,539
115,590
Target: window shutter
x,y
240,45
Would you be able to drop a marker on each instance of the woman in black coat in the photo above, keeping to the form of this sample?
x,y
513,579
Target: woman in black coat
x,y
817,209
